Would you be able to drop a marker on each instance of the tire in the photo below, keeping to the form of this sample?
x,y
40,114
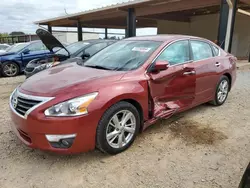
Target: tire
x,y
104,128
12,67
217,100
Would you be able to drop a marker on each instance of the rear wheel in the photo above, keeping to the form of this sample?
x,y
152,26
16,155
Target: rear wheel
x,y
10,69
222,91
117,128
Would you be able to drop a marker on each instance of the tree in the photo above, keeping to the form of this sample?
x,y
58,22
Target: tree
x,y
4,34
15,33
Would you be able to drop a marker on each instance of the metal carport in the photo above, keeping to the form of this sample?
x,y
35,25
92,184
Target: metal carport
x,y
146,13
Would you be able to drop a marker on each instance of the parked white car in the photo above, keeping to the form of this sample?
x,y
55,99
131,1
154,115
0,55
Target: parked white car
x,y
3,47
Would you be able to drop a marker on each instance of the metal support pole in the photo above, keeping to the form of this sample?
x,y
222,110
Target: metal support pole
x,y
106,33
49,29
131,23
229,24
235,7
224,10
79,30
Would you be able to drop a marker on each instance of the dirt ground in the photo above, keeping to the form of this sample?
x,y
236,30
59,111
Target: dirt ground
x,y
203,147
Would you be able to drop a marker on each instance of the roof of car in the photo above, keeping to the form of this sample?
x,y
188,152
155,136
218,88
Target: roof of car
x,y
161,38
98,40
34,41
4,45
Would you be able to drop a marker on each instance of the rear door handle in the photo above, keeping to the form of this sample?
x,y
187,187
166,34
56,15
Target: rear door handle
x,y
189,73
217,64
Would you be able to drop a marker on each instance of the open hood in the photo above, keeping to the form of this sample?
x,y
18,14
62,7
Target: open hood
x,y
49,40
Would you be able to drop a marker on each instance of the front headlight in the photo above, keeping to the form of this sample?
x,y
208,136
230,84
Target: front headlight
x,y
73,107
46,66
42,67
13,98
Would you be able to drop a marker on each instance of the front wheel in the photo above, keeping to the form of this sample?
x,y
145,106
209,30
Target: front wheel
x,y
117,128
10,69
222,91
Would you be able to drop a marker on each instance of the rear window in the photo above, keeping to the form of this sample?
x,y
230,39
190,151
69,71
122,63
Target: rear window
x,y
72,48
201,50
95,48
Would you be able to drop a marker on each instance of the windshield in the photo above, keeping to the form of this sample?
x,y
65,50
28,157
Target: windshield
x,y
17,47
123,55
72,48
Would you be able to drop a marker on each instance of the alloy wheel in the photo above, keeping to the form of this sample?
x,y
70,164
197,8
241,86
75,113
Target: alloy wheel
x,y
121,129
223,91
10,69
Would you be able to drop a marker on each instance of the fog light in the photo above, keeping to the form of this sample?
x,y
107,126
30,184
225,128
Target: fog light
x,y
65,142
61,141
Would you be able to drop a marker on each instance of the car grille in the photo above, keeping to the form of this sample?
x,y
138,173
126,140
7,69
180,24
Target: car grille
x,y
29,69
23,105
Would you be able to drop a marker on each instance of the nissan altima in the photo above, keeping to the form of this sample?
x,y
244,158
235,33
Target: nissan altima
x,y
106,101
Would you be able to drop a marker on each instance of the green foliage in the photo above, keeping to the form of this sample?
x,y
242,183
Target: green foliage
x,y
4,34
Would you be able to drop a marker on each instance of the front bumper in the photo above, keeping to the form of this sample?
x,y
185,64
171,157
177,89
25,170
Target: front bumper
x,y
32,131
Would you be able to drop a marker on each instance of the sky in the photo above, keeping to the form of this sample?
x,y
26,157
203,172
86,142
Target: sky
x,y
19,15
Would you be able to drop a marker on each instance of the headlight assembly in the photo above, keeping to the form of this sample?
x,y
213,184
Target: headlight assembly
x,y
73,107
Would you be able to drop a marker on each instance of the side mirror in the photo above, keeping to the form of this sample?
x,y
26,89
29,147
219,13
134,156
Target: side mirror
x,y
26,51
85,55
160,66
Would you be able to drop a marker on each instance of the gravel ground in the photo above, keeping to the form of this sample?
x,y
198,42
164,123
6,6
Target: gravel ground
x,y
203,147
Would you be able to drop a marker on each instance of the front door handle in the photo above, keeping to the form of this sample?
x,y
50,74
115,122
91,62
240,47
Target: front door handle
x,y
189,73
217,64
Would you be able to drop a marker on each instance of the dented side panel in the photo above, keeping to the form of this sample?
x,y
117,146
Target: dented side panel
x,y
171,90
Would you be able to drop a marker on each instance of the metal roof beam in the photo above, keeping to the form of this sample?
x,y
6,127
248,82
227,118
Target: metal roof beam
x,y
173,6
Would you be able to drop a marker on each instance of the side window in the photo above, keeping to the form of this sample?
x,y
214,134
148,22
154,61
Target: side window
x,y
176,53
95,48
38,46
201,50
216,50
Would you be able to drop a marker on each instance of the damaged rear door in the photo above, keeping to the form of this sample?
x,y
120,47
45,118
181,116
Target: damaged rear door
x,y
172,90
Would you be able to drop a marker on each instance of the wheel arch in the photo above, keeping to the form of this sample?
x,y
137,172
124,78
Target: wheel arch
x,y
139,108
10,61
230,79
140,104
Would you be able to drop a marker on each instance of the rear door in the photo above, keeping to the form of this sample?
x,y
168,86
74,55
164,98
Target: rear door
x,y
205,65
173,89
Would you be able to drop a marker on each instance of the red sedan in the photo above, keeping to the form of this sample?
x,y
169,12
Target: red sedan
x,y
106,101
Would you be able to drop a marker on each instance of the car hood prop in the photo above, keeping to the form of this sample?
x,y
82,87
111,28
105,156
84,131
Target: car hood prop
x,y
49,40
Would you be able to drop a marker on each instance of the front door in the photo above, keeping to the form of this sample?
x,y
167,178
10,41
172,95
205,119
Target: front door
x,y
36,50
173,90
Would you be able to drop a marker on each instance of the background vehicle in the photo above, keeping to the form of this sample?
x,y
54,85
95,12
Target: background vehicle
x,y
105,101
77,51
3,47
17,57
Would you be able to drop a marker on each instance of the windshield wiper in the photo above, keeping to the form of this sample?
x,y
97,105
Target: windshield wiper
x,y
97,67
127,63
